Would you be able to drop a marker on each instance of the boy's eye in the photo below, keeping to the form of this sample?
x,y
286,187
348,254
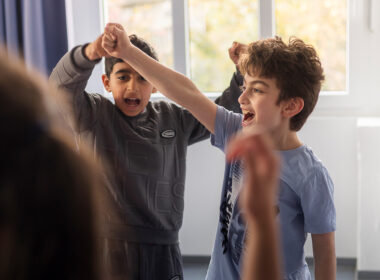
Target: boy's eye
x,y
122,78
242,88
142,78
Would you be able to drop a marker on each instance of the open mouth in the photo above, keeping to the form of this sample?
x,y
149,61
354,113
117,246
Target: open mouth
x,y
247,118
132,101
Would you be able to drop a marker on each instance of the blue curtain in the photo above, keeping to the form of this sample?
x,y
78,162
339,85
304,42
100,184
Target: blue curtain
x,y
35,30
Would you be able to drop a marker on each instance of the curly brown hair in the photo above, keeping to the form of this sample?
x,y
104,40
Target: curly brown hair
x,y
295,67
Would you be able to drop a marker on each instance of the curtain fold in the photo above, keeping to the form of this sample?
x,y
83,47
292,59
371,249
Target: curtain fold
x,y
36,30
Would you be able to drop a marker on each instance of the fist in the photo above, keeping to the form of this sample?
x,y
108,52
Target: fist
x,y
235,50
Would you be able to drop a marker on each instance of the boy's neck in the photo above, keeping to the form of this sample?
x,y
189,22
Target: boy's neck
x,y
286,139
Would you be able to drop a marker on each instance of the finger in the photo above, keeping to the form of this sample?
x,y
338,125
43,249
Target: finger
x,y
240,145
108,41
109,34
109,30
112,37
108,38
242,141
265,155
255,149
109,45
241,48
116,30
119,26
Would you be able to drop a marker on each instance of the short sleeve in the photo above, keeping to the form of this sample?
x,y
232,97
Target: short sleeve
x,y
227,123
317,200
195,130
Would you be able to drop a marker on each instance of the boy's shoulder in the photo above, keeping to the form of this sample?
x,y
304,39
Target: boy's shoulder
x,y
301,167
166,107
100,102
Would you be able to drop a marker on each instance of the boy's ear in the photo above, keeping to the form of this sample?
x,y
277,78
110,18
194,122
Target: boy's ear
x,y
154,90
106,82
292,107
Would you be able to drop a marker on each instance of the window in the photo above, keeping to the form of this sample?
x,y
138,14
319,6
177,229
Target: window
x,y
210,27
149,19
214,25
321,23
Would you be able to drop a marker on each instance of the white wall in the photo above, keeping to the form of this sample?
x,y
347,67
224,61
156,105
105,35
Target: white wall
x,y
331,132
369,195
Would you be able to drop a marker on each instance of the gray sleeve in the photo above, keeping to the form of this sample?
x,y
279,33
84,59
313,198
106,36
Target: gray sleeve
x,y
193,128
229,97
71,75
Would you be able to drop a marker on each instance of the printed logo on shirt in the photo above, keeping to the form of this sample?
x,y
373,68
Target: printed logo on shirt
x,y
229,200
168,133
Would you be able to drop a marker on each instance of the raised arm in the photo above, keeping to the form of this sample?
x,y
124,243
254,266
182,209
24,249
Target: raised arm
x,y
74,69
262,254
172,84
229,97
72,73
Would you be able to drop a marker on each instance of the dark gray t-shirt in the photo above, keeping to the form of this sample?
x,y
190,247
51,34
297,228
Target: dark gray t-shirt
x,y
146,154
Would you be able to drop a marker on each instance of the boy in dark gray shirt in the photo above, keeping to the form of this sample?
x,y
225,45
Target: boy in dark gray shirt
x,y
144,144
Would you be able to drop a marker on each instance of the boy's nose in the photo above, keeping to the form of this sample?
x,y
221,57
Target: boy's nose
x,y
241,98
132,85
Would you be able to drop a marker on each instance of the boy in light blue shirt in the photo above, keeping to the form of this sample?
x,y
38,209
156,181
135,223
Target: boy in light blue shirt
x,y
281,87
305,205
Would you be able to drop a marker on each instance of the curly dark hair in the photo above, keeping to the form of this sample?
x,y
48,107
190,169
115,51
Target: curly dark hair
x,y
295,67
137,42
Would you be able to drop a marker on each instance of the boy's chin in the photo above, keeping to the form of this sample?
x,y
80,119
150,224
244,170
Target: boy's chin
x,y
247,125
131,113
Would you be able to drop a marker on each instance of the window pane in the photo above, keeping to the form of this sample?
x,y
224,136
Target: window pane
x,y
149,19
214,25
321,23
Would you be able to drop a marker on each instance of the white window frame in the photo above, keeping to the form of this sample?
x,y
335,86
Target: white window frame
x,y
361,95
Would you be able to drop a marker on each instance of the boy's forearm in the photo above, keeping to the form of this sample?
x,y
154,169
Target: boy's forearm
x,y
173,85
72,71
262,260
325,269
324,256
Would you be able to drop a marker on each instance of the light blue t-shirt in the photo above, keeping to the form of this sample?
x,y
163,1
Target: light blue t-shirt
x,y
305,202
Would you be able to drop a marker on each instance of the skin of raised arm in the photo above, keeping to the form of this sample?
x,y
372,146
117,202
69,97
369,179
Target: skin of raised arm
x,y
230,96
172,84
235,51
324,256
95,50
262,258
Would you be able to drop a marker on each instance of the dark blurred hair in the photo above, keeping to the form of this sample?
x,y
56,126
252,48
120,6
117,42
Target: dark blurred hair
x,y
137,42
49,194
295,67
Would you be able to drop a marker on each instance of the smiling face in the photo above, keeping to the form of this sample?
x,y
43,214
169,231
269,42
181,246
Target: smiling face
x,y
258,102
129,89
